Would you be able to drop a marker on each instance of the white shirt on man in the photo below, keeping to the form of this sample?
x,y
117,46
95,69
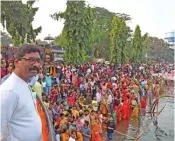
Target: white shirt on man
x,y
109,100
20,120
71,139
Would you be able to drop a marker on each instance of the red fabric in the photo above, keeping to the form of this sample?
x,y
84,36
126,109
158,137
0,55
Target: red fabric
x,y
99,75
109,85
3,72
119,113
84,68
127,82
70,100
143,102
58,120
123,86
53,95
114,91
125,110
125,91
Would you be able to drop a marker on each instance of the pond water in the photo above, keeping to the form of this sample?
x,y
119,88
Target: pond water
x,y
162,131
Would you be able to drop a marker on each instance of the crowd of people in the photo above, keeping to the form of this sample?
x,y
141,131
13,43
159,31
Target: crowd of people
x,y
84,101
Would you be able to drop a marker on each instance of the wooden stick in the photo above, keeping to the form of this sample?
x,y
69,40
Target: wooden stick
x,y
121,133
137,138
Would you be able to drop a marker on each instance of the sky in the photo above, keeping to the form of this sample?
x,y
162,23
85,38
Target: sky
x,y
154,16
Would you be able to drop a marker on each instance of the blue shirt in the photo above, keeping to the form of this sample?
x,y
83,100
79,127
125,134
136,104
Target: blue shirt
x,y
143,83
48,81
86,130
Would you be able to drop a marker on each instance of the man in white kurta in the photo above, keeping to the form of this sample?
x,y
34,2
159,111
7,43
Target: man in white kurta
x,y
20,120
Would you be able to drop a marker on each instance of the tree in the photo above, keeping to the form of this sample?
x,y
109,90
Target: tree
x,y
159,49
113,38
101,30
77,30
140,45
101,26
123,35
61,39
118,40
137,44
17,19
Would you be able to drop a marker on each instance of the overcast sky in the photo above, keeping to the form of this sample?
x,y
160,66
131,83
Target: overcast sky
x,y
154,16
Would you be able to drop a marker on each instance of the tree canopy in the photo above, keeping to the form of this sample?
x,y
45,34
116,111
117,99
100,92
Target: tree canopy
x,y
17,18
77,30
159,49
119,35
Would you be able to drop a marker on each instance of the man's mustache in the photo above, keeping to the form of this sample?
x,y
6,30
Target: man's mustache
x,y
34,68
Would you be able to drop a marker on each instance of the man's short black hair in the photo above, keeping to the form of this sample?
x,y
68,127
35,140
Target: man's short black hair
x,y
87,122
25,49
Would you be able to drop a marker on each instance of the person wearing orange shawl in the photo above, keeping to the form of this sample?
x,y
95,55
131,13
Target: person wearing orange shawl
x,y
75,112
65,135
103,107
95,131
79,136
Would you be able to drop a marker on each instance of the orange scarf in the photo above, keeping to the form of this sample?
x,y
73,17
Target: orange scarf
x,y
45,133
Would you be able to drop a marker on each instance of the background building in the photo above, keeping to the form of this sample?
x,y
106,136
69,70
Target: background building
x,y
170,38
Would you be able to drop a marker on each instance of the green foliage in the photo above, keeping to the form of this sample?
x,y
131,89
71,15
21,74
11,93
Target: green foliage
x,y
88,58
76,32
137,44
17,18
140,45
159,49
118,40
101,30
101,26
61,39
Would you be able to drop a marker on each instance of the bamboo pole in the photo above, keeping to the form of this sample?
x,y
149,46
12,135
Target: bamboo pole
x,y
122,133
137,138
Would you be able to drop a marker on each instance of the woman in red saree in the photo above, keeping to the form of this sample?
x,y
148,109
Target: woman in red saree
x,y
54,94
70,100
125,110
143,103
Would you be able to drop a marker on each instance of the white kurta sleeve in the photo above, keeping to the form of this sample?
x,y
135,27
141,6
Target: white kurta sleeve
x,y
9,102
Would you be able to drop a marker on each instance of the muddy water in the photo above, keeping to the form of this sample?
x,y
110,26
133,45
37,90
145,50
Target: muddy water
x,y
163,131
